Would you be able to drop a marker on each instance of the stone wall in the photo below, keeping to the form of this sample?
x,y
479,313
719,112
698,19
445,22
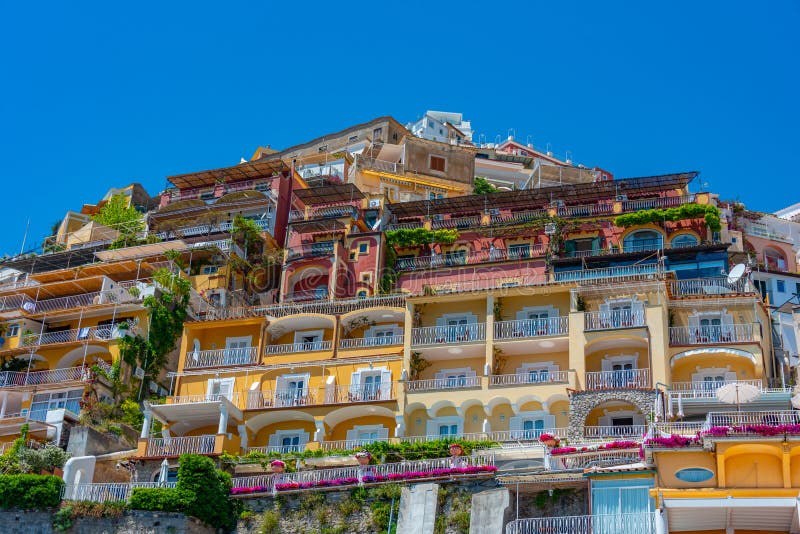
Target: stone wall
x,y
539,503
583,402
132,522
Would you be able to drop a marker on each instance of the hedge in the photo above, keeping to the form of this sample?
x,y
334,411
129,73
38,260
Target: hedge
x,y
205,491
687,211
30,492
157,499
420,236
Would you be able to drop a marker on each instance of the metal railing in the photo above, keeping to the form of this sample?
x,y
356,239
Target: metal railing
x,y
457,222
613,320
349,444
582,460
221,357
552,326
661,202
629,523
34,378
608,275
324,212
531,378
468,258
295,397
333,307
361,393
282,449
361,342
289,348
175,446
641,245
623,379
321,248
587,210
379,164
307,294
17,302
107,491
519,217
79,301
713,334
610,431
234,397
771,417
702,389
678,428
405,225
432,384
706,286
436,335
88,333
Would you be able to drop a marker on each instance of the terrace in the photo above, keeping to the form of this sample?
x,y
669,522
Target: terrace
x,y
456,259
529,328
711,334
632,523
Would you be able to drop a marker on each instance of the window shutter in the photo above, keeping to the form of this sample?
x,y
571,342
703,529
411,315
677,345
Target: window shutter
x,y
637,309
515,426
604,420
386,384
730,376
352,435
226,388
596,245
569,247
639,419
383,433
273,440
431,428
549,422
355,382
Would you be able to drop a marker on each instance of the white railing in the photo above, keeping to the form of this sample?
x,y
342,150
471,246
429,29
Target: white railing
x,y
533,378
662,202
707,389
436,335
432,384
631,523
16,302
221,357
703,335
706,286
307,295
622,431
33,378
772,417
469,258
349,444
281,449
361,342
624,379
290,348
612,320
582,460
234,397
361,393
260,399
295,397
608,275
79,301
379,164
311,478
175,446
483,283
678,428
97,333
107,491
553,326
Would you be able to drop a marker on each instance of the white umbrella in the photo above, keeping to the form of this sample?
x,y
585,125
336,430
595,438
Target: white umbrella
x,y
659,408
737,393
163,473
796,401
680,405
669,407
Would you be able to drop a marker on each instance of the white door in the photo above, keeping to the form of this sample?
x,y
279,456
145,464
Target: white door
x,y
237,351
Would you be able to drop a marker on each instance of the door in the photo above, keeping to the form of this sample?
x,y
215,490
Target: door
x,y
532,428
290,444
237,351
710,330
372,387
296,388
220,388
448,430
622,375
621,315
457,330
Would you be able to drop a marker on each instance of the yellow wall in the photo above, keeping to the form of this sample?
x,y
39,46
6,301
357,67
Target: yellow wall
x,y
339,432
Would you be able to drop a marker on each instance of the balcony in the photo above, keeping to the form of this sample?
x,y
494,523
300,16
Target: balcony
x,y
350,444
221,357
325,212
739,420
437,384
448,335
10,379
588,210
379,165
653,203
632,523
642,245
625,379
711,335
613,320
530,379
234,398
610,431
283,398
519,217
361,393
610,275
366,342
93,333
582,460
468,258
708,389
528,328
405,225
289,348
175,446
700,287
318,293
79,301
321,248
11,303
459,223
332,307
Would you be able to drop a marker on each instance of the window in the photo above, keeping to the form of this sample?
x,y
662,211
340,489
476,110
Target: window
x,y
220,387
437,163
44,402
323,148
363,248
352,256
290,444
684,240
781,285
237,350
352,139
210,269
366,277
532,428
208,194
774,260
377,133
519,251
309,340
361,294
642,240
12,330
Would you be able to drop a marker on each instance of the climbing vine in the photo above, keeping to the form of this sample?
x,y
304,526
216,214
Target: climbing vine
x,y
405,237
687,211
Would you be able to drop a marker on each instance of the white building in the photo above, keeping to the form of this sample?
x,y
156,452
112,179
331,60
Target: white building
x,y
442,126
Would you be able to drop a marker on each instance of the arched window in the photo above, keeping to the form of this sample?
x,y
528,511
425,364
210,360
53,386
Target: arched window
x,y
774,259
642,240
684,240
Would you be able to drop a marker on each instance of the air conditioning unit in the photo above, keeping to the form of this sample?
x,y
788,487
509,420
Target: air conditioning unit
x,y
550,228
374,203
621,198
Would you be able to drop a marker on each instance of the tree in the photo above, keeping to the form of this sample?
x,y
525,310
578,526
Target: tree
x,y
483,187
116,213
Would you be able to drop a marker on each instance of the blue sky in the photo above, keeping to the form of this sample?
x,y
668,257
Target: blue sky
x,y
101,94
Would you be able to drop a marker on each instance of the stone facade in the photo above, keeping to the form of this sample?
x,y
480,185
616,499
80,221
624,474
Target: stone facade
x,y
583,402
132,522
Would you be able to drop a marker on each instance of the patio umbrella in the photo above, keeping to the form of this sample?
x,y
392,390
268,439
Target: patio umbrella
x,y
736,393
796,401
163,473
680,405
659,408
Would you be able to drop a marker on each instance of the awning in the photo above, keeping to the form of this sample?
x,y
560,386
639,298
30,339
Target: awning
x,y
391,153
412,180
778,514
142,251
186,417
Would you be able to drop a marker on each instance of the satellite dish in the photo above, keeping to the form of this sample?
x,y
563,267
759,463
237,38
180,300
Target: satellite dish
x,y
736,273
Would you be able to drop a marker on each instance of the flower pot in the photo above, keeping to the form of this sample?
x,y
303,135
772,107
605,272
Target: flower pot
x,y
550,443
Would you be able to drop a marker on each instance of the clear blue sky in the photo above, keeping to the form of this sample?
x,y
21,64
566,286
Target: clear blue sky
x,y
97,94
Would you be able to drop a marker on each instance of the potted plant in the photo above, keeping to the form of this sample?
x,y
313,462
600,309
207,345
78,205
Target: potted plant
x,y
549,440
122,329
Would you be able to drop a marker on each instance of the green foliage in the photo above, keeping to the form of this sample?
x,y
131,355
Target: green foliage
x,y
65,516
157,499
13,364
30,492
48,458
404,237
246,233
311,501
481,186
117,214
62,519
687,211
389,277
201,483
269,523
417,365
131,414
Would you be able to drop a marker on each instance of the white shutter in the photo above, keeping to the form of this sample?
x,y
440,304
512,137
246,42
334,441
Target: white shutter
x,y
638,419
515,426
637,310
303,440
226,388
352,435
281,391
697,378
383,433
694,327
604,420
386,384
726,319
730,376
355,382
432,428
273,440
549,422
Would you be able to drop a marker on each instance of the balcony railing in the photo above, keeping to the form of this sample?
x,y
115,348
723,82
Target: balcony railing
x,y
679,428
350,444
613,320
552,326
321,248
713,334
326,212
17,302
609,275
457,222
319,293
433,384
289,348
82,300
624,379
651,203
632,523
532,378
333,307
582,460
233,397
96,333
469,258
405,225
739,419
437,335
610,431
706,286
361,342
708,389
360,393
588,210
35,378
379,165
642,245
281,449
175,446
221,357
519,217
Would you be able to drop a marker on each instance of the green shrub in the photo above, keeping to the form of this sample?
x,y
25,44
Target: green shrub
x,y
157,499
29,492
420,236
206,491
269,524
687,211
62,520
45,459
